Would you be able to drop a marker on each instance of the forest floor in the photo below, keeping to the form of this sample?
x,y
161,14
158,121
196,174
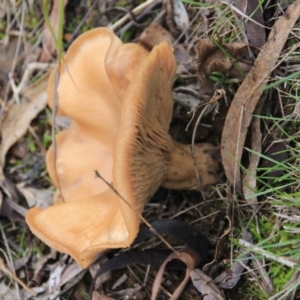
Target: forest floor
x,y
236,87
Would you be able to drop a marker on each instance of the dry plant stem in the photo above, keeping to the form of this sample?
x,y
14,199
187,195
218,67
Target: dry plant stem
x,y
134,20
206,216
151,281
242,14
9,273
146,276
132,208
266,283
124,277
250,178
135,11
279,259
217,96
8,257
290,286
82,22
227,231
31,67
236,172
14,63
185,32
193,144
54,113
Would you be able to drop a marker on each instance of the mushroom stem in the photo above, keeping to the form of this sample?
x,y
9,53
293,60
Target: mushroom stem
x,y
181,170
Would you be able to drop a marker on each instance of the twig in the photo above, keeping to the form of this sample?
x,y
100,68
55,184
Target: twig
x,y
9,257
248,18
54,113
277,258
26,76
218,94
15,278
82,22
14,63
135,11
134,20
110,185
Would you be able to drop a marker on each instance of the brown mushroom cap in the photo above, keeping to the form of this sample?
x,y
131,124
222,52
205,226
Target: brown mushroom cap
x,y
94,76
82,228
119,98
138,142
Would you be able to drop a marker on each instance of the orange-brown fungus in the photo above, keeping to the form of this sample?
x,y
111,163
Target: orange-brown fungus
x,y
119,98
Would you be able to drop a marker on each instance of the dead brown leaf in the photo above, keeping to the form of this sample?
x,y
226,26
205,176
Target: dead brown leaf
x,y
153,35
39,270
36,197
70,272
205,285
240,112
256,34
180,15
10,208
211,58
20,115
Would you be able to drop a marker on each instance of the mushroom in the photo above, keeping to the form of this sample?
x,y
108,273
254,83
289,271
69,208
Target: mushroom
x,y
119,98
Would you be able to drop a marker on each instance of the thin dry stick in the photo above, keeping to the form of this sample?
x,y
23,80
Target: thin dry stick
x,y
9,273
57,40
193,144
82,22
9,257
17,52
236,170
54,113
140,216
284,261
14,62
216,97
247,18
135,11
146,276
